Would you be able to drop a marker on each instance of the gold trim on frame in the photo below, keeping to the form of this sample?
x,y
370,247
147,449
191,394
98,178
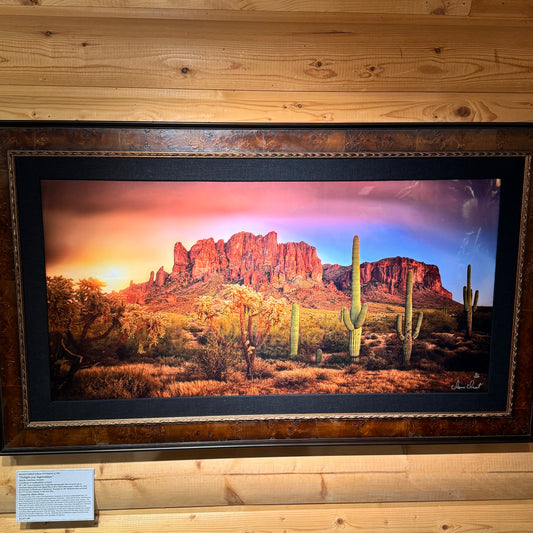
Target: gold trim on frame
x,y
12,154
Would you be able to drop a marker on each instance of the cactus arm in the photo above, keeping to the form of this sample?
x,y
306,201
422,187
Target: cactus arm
x,y
418,324
354,313
361,317
401,336
474,306
346,319
465,298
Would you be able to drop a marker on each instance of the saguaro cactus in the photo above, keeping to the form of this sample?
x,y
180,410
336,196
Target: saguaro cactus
x,y
295,331
354,319
408,336
470,308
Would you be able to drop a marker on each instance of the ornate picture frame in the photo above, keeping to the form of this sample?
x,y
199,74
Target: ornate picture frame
x,y
376,348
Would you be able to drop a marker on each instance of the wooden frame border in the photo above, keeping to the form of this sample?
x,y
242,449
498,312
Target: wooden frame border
x,y
24,435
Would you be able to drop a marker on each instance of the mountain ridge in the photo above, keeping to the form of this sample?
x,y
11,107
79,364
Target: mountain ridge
x,y
291,269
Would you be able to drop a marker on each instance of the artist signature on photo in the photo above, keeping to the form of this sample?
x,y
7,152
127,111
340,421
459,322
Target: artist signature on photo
x,y
473,384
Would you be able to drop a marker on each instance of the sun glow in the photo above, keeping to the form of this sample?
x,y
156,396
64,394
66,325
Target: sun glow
x,y
116,277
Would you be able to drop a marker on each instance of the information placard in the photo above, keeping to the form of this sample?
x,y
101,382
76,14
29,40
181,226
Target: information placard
x,y
55,495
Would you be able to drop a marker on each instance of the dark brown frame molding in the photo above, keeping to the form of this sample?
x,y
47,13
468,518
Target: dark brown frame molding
x,y
32,423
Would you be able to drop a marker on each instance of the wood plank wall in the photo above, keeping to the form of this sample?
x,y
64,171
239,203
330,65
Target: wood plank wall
x,y
321,61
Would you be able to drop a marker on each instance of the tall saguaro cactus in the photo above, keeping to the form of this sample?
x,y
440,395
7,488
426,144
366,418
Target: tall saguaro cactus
x,y
470,308
354,319
295,331
408,336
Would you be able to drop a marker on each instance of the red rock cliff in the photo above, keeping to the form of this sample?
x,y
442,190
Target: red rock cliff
x,y
252,259
263,263
390,276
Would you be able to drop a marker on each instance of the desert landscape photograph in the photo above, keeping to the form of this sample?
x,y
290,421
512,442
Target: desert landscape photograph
x,y
168,289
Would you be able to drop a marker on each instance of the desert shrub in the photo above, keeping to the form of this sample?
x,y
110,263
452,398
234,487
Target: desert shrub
x,y
444,340
311,337
374,362
127,351
128,381
263,370
274,348
437,321
381,323
334,340
169,360
215,360
170,346
322,330
285,365
194,327
337,360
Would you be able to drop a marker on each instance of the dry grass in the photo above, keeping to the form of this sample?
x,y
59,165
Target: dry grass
x,y
287,377
187,368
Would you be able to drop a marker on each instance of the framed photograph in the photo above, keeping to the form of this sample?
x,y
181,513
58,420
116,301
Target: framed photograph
x,y
238,286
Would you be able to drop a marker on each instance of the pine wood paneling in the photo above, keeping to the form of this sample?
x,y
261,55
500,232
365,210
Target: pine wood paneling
x,y
520,9
410,7
111,60
496,517
177,105
372,474
199,55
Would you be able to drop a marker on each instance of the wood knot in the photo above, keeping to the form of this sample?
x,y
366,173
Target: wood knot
x,y
438,50
340,521
47,33
463,111
231,497
370,71
185,70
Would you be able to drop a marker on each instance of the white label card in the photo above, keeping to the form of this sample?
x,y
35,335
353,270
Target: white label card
x,y
55,495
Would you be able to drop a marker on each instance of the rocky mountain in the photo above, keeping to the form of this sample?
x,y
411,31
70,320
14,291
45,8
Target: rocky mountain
x,y
290,269
385,280
250,259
